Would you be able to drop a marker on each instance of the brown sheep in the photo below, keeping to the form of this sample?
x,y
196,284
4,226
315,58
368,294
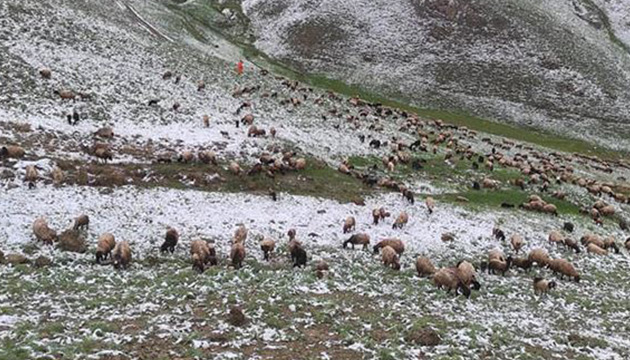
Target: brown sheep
x,y
102,152
170,240
517,242
592,239
298,254
57,175
424,266
12,151
321,269
349,225
237,255
358,239
539,256
291,234
541,286
430,203
572,244
253,131
31,174
556,237
449,279
489,184
468,274
81,222
206,121
390,257
496,254
448,236
608,210
401,220
65,94
550,209
186,157
43,232
45,73
200,253
300,164
564,268
376,216
498,265
105,132
522,263
272,132
267,245
104,247
627,244
247,119
208,157
240,234
235,168
592,248
609,243
121,255
396,244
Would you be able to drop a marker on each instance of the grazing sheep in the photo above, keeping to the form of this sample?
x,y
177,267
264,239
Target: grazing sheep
x,y
448,236
186,157
65,94
237,254
300,164
489,183
235,168
349,224
390,257
556,237
207,157
105,132
396,244
608,210
12,152
104,247
247,119
291,234
253,131
627,244
499,265
564,268
401,220
298,254
31,174
43,232
541,286
448,278
376,215
358,239
539,256
592,239
81,222
121,255
424,266
200,253
517,242
550,209
57,175
609,243
102,152
430,203
572,244
468,274
522,263
321,269
46,73
170,240
240,234
206,121
267,245
592,248
496,254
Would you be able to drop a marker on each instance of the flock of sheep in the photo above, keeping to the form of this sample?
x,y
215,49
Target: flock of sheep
x,y
461,278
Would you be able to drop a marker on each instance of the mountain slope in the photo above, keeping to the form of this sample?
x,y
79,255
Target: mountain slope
x,y
555,65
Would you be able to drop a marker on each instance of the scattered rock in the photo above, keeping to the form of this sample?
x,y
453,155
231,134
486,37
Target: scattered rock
x,y
16,259
42,261
424,337
236,317
71,240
